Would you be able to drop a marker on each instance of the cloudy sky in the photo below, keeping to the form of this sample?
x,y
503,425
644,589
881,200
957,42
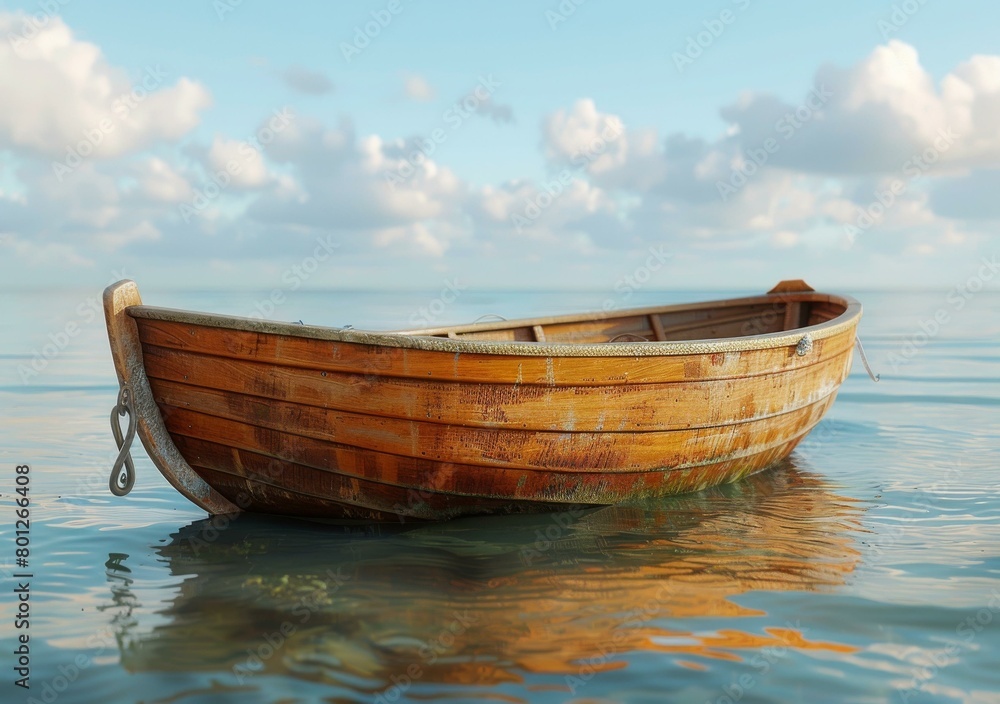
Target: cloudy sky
x,y
397,143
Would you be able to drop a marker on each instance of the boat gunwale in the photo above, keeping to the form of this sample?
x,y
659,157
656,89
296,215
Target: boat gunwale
x,y
654,348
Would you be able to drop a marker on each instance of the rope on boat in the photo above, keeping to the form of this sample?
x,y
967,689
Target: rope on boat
x,y
123,472
864,360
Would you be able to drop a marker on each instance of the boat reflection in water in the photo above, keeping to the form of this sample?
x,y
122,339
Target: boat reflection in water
x,y
497,599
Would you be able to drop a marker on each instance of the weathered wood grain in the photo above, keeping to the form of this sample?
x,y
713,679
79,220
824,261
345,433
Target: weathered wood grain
x,y
326,355
261,483
639,407
495,417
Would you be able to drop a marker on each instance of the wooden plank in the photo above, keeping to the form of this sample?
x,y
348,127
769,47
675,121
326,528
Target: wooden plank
x,y
724,328
657,325
704,329
793,311
525,449
231,441
638,407
307,492
258,498
328,355
670,310
820,313
539,333
792,286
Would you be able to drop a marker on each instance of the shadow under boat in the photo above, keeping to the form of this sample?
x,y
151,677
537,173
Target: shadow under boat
x,y
487,600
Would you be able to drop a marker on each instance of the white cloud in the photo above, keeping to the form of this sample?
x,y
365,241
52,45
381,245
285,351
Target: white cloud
x,y
341,181
59,93
161,182
621,188
857,132
584,136
240,160
880,115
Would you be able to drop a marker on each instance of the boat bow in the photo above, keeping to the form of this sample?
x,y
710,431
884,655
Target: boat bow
x,y
126,351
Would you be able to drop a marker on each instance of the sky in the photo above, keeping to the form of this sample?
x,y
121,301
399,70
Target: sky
x,y
400,144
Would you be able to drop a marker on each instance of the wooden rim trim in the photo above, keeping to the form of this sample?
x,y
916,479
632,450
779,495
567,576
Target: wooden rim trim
x,y
417,370
126,351
424,341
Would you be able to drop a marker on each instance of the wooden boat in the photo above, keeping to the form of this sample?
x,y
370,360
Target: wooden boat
x,y
499,417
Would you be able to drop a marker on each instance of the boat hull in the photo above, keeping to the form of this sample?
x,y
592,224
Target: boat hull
x,y
306,421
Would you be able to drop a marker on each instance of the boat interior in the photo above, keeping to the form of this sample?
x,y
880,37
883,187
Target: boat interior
x,y
700,321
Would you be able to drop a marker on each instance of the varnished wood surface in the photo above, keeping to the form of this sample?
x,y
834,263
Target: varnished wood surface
x,y
623,407
603,452
298,424
330,356
343,482
126,351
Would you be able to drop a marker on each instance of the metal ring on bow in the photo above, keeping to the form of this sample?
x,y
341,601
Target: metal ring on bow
x,y
123,471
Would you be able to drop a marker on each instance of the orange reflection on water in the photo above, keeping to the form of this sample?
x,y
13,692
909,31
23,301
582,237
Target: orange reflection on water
x,y
487,601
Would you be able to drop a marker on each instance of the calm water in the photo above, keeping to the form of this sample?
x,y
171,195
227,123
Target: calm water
x,y
866,568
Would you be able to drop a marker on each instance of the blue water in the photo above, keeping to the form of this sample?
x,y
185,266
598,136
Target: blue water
x,y
866,568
